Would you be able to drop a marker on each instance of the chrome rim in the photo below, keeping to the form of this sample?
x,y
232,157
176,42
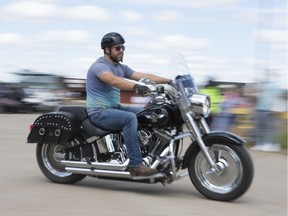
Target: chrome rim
x,y
52,156
229,170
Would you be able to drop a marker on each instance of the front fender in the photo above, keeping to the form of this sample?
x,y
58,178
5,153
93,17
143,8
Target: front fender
x,y
212,138
220,135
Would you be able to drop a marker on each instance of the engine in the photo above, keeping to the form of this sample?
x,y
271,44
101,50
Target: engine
x,y
152,143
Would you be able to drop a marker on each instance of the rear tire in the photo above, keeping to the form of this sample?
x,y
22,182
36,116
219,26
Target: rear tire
x,y
232,181
49,157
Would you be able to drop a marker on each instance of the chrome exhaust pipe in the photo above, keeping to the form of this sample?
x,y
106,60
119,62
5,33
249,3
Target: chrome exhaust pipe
x,y
112,174
96,165
98,172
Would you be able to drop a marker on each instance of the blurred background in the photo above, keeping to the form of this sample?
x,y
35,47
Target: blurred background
x,y
236,50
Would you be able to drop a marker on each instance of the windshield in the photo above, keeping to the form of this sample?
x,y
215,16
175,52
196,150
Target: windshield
x,y
184,77
186,83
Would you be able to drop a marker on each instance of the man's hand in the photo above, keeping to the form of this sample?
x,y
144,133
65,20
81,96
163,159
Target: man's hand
x,y
171,82
141,89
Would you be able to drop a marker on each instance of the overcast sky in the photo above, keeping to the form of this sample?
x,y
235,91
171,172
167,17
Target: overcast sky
x,y
234,40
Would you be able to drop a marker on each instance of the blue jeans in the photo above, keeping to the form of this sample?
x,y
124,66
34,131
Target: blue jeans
x,y
122,118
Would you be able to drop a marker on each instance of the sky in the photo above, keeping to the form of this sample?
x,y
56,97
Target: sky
x,y
227,40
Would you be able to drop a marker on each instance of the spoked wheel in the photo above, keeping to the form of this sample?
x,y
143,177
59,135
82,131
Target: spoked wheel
x,y
233,175
49,157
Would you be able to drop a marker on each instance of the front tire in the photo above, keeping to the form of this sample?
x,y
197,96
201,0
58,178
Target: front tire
x,y
234,175
49,157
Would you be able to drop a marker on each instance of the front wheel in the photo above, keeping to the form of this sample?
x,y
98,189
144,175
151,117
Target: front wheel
x,y
49,157
231,179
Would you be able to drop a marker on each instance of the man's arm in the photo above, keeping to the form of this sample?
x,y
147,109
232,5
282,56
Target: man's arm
x,y
157,79
126,85
116,81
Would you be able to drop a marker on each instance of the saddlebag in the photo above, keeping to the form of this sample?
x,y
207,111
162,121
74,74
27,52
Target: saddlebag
x,y
54,128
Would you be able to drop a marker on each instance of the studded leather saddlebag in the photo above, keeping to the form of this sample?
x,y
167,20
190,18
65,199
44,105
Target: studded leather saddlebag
x,y
54,128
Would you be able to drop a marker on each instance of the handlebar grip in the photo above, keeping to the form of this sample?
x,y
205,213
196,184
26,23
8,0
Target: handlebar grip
x,y
141,89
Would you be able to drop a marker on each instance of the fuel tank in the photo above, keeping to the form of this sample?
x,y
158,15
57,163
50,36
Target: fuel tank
x,y
159,116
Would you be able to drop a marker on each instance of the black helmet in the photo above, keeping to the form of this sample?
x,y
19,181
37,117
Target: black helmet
x,y
111,38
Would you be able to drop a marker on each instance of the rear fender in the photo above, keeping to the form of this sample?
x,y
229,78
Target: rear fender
x,y
213,137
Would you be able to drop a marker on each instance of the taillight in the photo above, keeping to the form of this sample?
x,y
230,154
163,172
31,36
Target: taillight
x,y
31,127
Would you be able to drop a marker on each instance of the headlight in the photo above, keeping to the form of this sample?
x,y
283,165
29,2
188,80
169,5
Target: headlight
x,y
200,103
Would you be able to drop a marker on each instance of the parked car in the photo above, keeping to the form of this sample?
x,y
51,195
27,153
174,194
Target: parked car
x,y
44,101
11,100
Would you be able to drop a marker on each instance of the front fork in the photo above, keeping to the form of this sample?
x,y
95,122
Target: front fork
x,y
194,129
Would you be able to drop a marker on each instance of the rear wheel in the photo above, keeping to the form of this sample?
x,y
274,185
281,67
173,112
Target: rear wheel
x,y
49,157
233,176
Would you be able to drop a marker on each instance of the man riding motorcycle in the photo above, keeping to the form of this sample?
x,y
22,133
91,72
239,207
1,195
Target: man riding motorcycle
x,y
105,79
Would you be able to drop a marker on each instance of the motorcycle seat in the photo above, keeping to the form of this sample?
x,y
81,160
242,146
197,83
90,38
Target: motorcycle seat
x,y
78,111
81,114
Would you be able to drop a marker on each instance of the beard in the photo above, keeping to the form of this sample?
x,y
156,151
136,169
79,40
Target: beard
x,y
117,58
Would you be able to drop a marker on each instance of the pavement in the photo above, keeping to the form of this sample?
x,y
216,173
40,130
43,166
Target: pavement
x,y
25,191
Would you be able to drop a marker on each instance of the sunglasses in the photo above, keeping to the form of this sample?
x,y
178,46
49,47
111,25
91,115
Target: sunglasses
x,y
118,48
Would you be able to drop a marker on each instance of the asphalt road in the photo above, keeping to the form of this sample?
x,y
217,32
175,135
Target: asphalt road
x,y
25,191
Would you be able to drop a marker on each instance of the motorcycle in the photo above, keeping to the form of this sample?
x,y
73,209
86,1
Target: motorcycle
x,y
174,139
